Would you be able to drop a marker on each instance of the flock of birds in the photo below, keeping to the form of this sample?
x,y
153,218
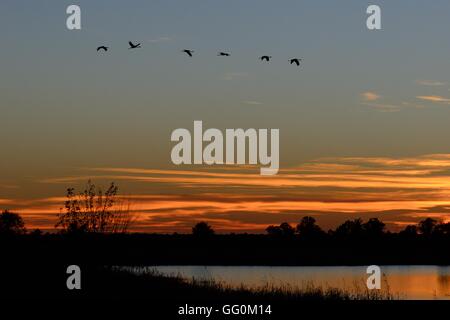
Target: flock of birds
x,y
190,53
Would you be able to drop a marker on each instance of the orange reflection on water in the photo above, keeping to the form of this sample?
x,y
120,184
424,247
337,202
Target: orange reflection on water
x,y
404,282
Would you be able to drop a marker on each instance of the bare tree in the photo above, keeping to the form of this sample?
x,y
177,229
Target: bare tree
x,y
95,211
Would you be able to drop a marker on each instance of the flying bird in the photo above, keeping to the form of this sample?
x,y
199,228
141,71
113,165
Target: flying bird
x,y
296,61
223,54
267,58
188,52
102,48
133,46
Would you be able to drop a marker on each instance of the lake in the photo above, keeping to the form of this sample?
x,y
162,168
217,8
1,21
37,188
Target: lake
x,y
409,282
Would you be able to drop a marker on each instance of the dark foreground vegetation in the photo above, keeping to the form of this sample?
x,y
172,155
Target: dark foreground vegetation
x,y
148,249
352,243
34,263
156,285
49,281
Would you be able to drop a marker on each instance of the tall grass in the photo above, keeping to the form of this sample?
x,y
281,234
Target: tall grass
x,y
308,291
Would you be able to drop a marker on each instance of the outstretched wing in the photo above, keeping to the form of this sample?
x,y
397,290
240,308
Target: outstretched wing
x,y
131,44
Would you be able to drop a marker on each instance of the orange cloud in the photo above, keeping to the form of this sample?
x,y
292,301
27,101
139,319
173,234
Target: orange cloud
x,y
370,96
436,99
237,198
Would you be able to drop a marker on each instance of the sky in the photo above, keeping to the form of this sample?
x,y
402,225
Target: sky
x,y
363,122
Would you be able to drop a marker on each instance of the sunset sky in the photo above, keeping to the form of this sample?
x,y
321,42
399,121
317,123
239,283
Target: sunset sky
x,y
364,123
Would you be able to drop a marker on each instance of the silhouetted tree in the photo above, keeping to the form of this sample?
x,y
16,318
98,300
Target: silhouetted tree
x,y
350,228
11,224
202,229
427,226
94,211
307,228
287,229
374,227
283,230
409,232
274,230
36,233
443,228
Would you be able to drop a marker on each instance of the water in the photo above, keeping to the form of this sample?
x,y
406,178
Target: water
x,y
409,282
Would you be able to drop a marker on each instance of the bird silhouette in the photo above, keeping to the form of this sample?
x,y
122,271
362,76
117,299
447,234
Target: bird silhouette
x,y
188,52
133,46
296,61
267,58
223,54
102,48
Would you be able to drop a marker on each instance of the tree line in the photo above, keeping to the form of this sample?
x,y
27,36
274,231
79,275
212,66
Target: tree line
x,y
374,228
357,228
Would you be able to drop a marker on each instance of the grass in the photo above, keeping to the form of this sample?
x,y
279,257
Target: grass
x,y
149,282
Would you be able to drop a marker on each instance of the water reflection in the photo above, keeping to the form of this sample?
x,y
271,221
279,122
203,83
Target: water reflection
x,y
444,281
410,282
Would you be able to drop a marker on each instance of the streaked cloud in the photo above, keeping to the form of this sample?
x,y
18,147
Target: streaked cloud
x,y
236,198
252,102
383,107
6,201
8,186
431,83
370,96
371,99
435,99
